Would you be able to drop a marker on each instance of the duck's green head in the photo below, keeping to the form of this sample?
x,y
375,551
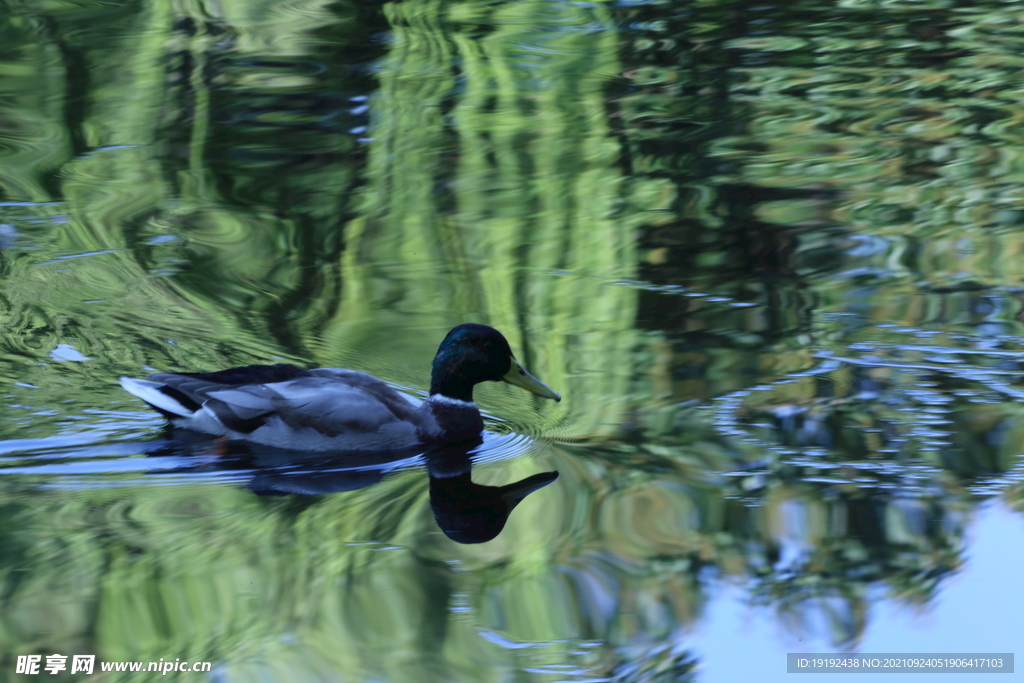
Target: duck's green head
x,y
473,353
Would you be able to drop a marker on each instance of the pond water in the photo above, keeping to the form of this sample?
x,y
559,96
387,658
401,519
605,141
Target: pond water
x,y
768,253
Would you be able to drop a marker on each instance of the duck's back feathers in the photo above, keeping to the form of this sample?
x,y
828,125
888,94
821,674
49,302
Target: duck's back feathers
x,y
246,374
285,406
182,394
349,401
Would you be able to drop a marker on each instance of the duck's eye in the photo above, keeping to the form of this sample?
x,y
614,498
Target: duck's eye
x,y
522,372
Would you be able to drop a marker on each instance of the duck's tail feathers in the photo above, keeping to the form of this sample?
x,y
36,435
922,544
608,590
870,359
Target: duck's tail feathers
x,y
153,393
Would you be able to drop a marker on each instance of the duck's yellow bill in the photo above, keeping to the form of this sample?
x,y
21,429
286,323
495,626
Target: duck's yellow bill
x,y
518,375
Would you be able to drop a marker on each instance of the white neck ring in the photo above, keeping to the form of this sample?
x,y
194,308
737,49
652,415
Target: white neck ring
x,y
448,400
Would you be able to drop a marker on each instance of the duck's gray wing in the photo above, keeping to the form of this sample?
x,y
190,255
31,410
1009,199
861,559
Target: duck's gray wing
x,y
192,389
330,402
335,401
398,403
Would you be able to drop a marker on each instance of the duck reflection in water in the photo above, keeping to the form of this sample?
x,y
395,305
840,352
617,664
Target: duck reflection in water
x,y
468,512
465,511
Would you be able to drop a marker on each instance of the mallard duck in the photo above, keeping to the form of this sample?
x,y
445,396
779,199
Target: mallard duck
x,y
334,409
